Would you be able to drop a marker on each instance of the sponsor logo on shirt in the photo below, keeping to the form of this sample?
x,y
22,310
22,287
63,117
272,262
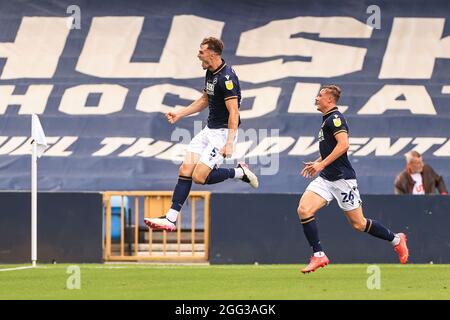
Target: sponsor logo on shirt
x,y
320,137
210,88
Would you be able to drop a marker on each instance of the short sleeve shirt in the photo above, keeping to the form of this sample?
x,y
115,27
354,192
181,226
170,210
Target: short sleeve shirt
x,y
334,123
221,85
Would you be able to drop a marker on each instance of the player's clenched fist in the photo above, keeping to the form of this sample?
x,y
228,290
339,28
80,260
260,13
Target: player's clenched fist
x,y
172,117
227,150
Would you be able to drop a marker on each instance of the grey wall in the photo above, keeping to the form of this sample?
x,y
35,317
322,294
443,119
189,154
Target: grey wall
x,y
245,228
264,228
69,227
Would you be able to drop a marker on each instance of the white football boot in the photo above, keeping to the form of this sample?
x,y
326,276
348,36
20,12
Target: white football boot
x,y
249,176
161,223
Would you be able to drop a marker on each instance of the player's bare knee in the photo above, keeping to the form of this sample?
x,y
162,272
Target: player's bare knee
x,y
198,178
358,225
304,211
185,170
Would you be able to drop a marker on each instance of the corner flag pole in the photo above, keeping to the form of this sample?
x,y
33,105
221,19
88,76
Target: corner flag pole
x,y
34,204
39,145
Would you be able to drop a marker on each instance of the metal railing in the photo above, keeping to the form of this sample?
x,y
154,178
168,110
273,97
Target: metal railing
x,y
133,241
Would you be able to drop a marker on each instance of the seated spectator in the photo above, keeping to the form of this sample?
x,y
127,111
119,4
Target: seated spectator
x,y
418,178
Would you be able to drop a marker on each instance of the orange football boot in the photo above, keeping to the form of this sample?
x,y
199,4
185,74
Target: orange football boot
x,y
315,263
402,249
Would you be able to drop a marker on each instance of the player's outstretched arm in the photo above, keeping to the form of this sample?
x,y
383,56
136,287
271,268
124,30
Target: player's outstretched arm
x,y
196,106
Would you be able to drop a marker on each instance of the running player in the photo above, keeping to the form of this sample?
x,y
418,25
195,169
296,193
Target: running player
x,y
337,180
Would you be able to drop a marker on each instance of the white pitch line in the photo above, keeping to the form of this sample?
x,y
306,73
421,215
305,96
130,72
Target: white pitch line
x,y
18,268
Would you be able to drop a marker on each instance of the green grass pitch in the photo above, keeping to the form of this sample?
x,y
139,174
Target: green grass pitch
x,y
225,282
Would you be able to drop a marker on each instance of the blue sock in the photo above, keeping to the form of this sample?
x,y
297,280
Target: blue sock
x,y
376,229
312,233
219,174
181,192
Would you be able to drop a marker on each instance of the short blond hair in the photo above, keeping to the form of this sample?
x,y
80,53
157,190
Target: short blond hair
x,y
334,90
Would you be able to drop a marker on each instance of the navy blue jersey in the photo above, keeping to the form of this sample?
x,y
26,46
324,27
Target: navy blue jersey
x,y
333,123
221,85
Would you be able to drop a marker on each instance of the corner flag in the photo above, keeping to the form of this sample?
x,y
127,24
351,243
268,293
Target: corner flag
x,y
39,145
38,135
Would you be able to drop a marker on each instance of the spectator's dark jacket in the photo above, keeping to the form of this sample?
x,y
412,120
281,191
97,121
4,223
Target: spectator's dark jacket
x,y
404,183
